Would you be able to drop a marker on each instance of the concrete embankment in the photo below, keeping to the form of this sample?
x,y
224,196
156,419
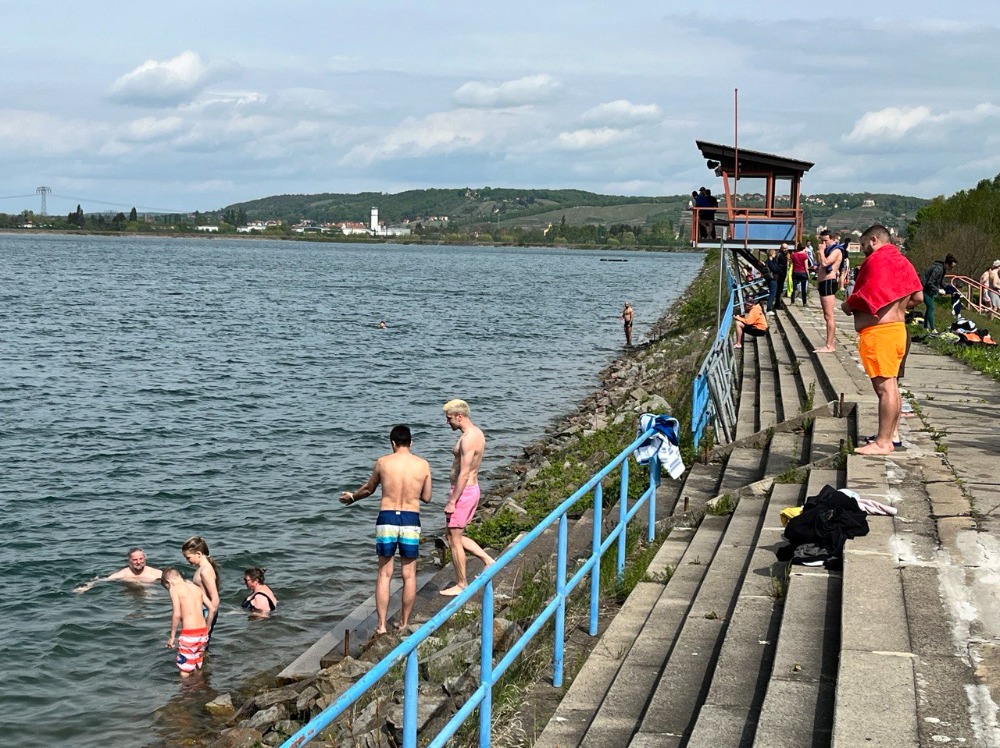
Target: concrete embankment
x,y
654,376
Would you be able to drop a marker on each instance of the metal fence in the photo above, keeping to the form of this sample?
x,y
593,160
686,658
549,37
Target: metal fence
x,y
555,609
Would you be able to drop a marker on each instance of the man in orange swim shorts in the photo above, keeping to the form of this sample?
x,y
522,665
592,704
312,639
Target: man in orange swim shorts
x,y
887,285
464,496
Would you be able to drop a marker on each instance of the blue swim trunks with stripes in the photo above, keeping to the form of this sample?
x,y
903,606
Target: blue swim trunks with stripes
x,y
397,529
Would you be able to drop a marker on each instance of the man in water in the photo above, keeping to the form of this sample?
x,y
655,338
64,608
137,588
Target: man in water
x,y
627,315
406,481
189,602
382,325
827,275
136,572
464,496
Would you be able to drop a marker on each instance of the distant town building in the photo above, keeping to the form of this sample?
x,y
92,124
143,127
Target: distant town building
x,y
208,229
868,203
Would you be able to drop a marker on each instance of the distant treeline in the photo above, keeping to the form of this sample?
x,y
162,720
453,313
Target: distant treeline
x,y
967,225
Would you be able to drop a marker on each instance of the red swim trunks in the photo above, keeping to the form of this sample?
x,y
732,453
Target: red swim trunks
x,y
465,507
191,648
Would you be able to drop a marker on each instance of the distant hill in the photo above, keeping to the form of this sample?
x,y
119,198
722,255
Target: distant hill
x,y
533,208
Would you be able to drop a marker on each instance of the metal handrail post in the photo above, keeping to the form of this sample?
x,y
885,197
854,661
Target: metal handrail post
x,y
410,681
560,632
622,512
595,573
654,481
486,667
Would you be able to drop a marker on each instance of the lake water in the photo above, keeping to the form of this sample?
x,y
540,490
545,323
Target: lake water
x,y
154,389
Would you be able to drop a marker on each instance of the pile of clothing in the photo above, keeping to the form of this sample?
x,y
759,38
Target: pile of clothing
x,y
817,531
968,333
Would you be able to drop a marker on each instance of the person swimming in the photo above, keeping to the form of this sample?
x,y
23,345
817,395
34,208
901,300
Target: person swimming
x,y
261,599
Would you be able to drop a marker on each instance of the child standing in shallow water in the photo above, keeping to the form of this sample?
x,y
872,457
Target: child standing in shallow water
x,y
187,600
196,553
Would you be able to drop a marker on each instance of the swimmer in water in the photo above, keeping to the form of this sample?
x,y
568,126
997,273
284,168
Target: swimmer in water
x,y
136,572
261,599
188,601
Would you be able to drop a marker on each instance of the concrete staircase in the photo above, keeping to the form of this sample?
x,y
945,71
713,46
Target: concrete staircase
x,y
739,650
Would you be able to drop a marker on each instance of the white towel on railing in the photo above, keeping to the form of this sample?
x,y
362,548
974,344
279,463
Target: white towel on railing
x,y
664,443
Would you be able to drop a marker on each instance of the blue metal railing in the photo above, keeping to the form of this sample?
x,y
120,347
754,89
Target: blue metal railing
x,y
706,406
490,673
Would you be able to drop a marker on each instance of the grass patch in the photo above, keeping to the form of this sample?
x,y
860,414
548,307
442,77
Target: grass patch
x,y
791,474
980,358
725,504
810,401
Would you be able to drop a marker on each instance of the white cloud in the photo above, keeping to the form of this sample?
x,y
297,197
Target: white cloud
x,y
25,132
162,83
440,133
893,125
532,89
889,124
622,111
580,140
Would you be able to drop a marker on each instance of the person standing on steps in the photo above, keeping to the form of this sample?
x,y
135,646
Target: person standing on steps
x,y
406,481
886,286
464,496
800,272
777,266
627,315
827,278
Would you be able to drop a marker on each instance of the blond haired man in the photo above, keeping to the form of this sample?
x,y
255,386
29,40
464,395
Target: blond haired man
x,y
464,496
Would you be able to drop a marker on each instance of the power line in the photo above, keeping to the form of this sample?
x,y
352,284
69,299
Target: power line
x,y
16,197
118,205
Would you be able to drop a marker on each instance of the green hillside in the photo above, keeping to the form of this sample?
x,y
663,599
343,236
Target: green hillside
x,y
482,208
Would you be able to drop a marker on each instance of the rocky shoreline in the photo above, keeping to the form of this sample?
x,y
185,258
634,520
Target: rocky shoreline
x,y
646,378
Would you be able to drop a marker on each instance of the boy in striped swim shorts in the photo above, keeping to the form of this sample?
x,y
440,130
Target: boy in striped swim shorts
x,y
187,599
406,481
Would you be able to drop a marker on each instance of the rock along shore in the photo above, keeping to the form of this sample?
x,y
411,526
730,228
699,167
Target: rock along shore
x,y
645,378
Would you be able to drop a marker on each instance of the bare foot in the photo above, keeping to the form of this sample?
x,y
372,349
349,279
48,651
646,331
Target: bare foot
x,y
824,349
399,626
737,346
874,448
452,591
489,562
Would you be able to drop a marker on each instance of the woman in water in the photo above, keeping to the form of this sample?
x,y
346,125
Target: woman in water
x,y
261,599
196,553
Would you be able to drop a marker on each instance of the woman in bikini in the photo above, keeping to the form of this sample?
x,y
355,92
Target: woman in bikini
x,y
261,599
196,553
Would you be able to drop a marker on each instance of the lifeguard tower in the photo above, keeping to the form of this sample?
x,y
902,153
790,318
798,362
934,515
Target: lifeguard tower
x,y
761,207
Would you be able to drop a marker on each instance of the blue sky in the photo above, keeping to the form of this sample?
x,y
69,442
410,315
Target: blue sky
x,y
185,105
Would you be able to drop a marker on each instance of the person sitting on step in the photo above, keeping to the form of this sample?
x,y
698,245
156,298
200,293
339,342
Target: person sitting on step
x,y
753,323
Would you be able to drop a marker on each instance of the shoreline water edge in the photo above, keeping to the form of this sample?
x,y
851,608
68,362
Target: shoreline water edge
x,y
653,376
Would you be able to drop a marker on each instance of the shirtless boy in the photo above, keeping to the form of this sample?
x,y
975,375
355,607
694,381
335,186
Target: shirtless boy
x,y
136,572
406,481
827,278
187,599
464,496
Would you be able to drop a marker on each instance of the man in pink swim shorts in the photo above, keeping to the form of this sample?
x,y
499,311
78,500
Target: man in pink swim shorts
x,y
464,496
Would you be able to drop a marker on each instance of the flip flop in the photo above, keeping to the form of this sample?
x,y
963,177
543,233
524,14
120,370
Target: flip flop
x,y
870,439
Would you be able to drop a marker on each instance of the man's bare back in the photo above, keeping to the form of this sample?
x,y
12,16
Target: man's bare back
x,y
405,480
191,600
892,312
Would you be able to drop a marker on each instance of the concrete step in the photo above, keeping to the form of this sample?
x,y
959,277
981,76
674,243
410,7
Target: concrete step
x,y
577,708
700,485
827,438
767,388
611,717
792,393
746,413
744,466
729,715
684,682
784,451
812,328
797,709
800,352
877,664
